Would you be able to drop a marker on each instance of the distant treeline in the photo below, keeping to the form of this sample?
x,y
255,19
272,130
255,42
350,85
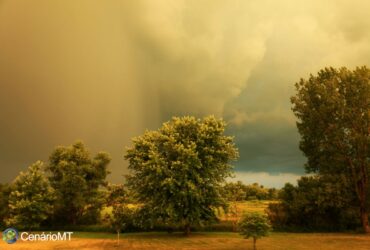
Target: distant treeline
x,y
238,191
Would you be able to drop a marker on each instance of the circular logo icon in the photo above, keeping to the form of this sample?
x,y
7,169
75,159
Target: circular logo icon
x,y
10,235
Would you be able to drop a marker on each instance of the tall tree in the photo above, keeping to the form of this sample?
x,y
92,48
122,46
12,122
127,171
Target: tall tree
x,y
178,170
31,198
77,177
333,111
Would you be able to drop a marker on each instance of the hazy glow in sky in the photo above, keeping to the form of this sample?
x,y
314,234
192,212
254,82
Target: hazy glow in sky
x,y
104,71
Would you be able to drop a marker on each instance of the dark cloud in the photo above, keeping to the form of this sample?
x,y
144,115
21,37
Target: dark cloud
x,y
104,71
268,146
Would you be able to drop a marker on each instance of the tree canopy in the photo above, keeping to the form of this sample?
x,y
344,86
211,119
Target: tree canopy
x,y
76,177
177,171
333,111
31,198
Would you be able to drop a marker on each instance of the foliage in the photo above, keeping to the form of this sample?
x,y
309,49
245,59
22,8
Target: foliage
x,y
31,198
237,191
116,194
178,170
77,179
254,225
234,191
121,216
333,111
314,204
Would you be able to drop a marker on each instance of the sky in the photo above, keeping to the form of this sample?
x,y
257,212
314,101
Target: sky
x,y
105,71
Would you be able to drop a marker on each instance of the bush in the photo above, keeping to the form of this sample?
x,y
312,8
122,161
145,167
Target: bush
x,y
313,205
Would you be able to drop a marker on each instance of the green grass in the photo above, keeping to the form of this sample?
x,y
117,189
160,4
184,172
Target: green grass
x,y
243,207
253,206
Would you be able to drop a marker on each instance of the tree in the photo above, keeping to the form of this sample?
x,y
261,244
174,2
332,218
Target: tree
x,y
272,193
31,198
315,203
121,215
234,192
254,225
256,191
178,170
333,111
77,179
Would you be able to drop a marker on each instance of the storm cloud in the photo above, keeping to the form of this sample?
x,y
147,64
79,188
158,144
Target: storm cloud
x,y
104,71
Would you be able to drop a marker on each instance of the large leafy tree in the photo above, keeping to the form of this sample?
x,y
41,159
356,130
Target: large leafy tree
x,y
31,198
77,179
333,111
178,170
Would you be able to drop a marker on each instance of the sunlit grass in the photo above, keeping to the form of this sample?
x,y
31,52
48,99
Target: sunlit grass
x,y
206,241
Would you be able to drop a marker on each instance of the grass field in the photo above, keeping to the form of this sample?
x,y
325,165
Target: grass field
x,y
252,206
244,207
206,241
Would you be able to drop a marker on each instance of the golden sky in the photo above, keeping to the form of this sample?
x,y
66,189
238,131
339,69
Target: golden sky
x,y
104,71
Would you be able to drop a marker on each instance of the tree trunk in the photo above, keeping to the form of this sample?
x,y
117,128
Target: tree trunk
x,y
187,230
361,191
117,237
365,220
362,186
254,243
236,214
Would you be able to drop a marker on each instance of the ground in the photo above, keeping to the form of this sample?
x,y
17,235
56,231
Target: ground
x,y
206,241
